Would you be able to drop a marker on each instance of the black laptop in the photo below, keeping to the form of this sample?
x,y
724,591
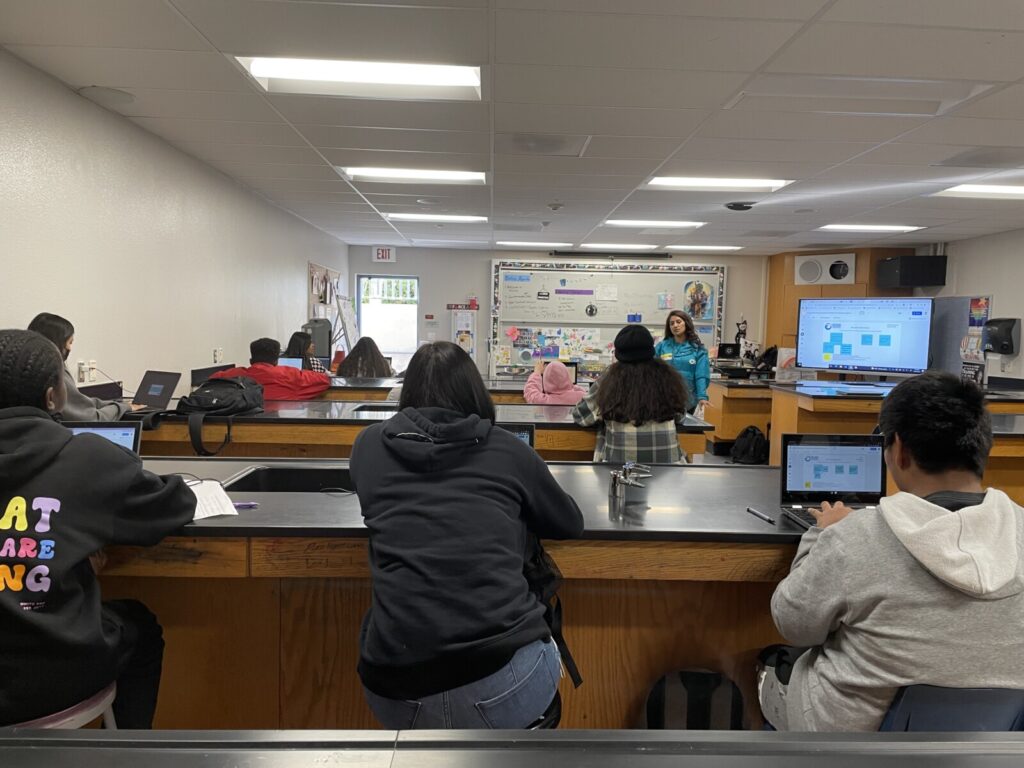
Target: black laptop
x,y
127,434
524,432
156,390
817,468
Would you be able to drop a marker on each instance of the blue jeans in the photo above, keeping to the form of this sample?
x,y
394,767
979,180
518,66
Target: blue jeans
x,y
513,697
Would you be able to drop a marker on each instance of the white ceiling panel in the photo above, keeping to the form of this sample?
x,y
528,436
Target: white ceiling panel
x,y
300,185
132,68
905,152
631,146
198,105
779,150
177,130
795,126
870,50
598,121
584,165
100,23
366,113
1007,104
255,171
969,131
570,196
991,14
656,42
739,169
398,140
733,9
656,88
362,158
552,181
249,153
329,30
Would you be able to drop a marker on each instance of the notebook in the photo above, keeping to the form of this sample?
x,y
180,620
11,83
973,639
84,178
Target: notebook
x,y
524,432
817,468
127,434
156,390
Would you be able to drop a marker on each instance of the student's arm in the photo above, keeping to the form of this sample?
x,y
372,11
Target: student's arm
x,y
585,412
309,383
702,376
81,407
153,507
533,392
549,511
810,603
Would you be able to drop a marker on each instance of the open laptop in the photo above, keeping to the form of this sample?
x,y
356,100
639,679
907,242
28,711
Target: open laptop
x,y
127,434
156,390
290,362
524,432
817,468
728,355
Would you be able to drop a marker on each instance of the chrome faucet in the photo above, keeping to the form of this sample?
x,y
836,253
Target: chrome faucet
x,y
629,475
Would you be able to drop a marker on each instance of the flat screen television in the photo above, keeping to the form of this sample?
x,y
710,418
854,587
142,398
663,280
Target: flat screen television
x,y
876,335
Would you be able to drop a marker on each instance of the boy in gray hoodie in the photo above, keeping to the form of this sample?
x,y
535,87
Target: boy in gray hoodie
x,y
927,588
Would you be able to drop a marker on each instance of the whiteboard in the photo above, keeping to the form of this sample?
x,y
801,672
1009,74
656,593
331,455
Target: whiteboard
x,y
576,309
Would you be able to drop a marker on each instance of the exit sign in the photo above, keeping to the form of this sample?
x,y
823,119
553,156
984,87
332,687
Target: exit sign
x,y
385,253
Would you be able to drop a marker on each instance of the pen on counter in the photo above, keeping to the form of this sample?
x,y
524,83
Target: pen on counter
x,y
246,504
760,515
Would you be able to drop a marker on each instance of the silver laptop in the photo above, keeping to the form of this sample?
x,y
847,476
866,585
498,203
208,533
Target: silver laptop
x,y
817,468
127,434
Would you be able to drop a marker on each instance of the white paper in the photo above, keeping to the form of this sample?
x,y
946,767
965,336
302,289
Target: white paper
x,y
607,293
211,500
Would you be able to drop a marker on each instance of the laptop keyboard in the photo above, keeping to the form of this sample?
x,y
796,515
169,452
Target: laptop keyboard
x,y
801,514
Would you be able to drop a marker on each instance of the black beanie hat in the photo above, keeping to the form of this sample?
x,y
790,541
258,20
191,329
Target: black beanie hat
x,y
634,344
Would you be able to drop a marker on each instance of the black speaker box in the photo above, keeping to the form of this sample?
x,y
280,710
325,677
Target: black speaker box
x,y
911,271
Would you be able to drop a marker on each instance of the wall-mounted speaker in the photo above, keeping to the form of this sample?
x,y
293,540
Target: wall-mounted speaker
x,y
910,271
825,269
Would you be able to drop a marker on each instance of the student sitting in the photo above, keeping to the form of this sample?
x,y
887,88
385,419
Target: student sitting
x,y
928,588
454,638
301,346
62,499
636,403
280,382
78,407
551,385
365,361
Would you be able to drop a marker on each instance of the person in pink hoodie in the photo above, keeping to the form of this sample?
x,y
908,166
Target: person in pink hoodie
x,y
551,385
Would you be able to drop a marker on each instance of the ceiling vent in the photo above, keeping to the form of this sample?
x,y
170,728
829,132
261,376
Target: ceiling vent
x,y
549,144
825,269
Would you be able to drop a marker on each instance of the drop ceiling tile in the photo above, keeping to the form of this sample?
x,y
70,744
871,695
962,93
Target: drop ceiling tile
x,y
631,146
739,169
872,50
335,31
456,142
596,121
907,153
992,14
552,181
657,42
605,87
362,158
132,68
1007,104
249,153
368,113
778,150
259,171
569,196
736,9
175,129
795,126
198,105
576,165
101,23
969,131
300,185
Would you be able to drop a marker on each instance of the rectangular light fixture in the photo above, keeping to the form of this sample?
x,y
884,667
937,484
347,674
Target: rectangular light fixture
x,y
869,228
511,244
704,247
618,246
646,223
444,217
416,174
709,184
364,79
985,191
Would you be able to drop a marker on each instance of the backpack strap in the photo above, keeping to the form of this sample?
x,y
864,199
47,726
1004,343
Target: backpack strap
x,y
195,435
555,624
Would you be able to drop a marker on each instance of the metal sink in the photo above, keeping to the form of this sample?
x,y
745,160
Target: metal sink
x,y
291,480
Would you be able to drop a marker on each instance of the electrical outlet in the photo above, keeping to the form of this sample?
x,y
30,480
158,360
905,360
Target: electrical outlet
x,y
220,354
214,355
81,371
92,370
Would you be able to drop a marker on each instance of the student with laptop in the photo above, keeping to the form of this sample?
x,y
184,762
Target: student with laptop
x,y
279,382
926,588
63,498
301,347
78,407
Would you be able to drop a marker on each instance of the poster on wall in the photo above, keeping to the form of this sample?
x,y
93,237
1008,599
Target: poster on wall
x,y
324,288
972,346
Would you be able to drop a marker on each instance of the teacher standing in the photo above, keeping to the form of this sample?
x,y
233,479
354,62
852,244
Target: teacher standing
x,y
682,348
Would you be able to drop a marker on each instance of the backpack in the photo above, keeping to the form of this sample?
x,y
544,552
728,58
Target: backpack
x,y
767,359
694,699
750,447
219,397
544,579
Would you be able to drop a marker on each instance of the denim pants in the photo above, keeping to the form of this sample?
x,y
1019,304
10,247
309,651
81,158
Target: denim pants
x,y
513,697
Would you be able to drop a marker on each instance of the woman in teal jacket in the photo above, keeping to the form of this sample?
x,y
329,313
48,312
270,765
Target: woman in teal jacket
x,y
683,350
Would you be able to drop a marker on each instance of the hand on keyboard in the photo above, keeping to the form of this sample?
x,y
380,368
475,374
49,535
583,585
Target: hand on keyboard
x,y
830,514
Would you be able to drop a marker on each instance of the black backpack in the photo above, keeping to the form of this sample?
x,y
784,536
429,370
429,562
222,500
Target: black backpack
x,y
544,579
219,397
750,447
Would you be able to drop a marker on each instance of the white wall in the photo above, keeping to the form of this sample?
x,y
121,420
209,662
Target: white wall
x,y
450,276
155,257
990,266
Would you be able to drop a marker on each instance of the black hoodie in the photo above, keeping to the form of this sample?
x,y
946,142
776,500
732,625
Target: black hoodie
x,y
448,501
62,498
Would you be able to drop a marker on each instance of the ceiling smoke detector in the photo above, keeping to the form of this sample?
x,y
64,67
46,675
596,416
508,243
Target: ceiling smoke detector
x,y
556,206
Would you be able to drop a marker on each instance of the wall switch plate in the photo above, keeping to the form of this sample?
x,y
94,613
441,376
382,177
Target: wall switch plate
x,y
218,355
81,371
92,370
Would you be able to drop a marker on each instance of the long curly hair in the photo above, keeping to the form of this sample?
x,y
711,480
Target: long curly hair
x,y
29,365
640,392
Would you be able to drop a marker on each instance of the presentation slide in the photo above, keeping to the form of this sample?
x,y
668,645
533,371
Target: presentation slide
x,y
886,335
834,468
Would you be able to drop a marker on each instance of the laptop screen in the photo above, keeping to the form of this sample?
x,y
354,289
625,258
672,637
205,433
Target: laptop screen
x,y
524,432
291,362
156,389
573,372
818,468
127,434
728,351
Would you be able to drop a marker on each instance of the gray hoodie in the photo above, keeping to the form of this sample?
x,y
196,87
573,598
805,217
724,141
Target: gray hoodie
x,y
904,594
81,407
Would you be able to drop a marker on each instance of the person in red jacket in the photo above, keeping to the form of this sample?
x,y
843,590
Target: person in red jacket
x,y
280,382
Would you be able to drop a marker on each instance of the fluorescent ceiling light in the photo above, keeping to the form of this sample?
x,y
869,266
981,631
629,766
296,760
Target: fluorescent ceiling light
x,y
643,223
512,244
366,79
618,246
416,174
707,184
985,191
704,247
434,217
869,228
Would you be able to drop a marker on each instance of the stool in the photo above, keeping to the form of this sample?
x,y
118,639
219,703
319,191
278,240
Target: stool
x,y
551,717
80,714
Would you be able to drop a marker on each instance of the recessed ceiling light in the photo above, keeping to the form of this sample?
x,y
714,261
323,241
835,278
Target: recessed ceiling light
x,y
700,183
434,217
416,174
869,228
985,191
618,246
369,79
642,223
513,244
704,247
